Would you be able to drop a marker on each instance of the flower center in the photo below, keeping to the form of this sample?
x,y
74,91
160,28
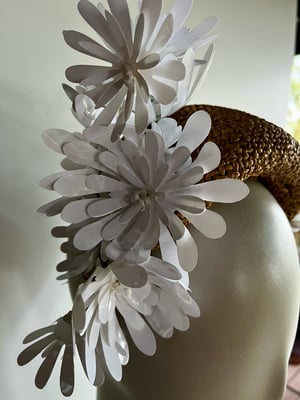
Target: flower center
x,y
128,72
143,197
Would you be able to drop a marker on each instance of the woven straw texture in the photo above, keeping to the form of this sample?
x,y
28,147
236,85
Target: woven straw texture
x,y
254,148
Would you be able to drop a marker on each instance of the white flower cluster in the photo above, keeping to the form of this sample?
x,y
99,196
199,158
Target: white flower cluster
x,y
128,183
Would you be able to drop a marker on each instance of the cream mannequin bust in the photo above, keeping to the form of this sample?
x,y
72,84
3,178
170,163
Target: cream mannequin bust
x,y
247,285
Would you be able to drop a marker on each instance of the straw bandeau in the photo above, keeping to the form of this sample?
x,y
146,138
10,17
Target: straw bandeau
x,y
253,148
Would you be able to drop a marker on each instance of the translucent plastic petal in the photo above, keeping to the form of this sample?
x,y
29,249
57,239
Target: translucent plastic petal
x,y
176,317
159,324
56,138
195,130
209,157
133,276
187,178
119,9
168,251
89,236
141,112
196,37
73,185
163,268
96,20
76,211
209,223
140,333
222,190
103,207
192,204
161,37
112,107
180,10
151,11
178,158
187,251
111,358
169,131
86,45
102,184
53,207
49,181
170,69
161,91
82,153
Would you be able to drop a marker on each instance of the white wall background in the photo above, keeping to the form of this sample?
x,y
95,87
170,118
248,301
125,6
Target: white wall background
x,y
250,72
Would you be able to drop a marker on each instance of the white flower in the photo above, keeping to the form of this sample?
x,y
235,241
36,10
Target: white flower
x,y
163,302
49,341
139,188
143,57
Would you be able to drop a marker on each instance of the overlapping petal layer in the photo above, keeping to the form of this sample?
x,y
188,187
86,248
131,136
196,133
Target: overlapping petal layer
x,y
142,60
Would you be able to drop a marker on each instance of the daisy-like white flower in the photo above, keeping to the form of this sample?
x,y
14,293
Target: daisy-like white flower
x,y
49,341
143,57
163,302
140,187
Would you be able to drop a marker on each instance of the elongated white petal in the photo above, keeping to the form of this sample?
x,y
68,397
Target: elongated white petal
x,y
195,131
103,207
56,138
73,185
119,10
107,115
150,10
159,323
178,158
82,153
141,334
209,157
187,251
180,10
111,358
222,190
89,236
102,184
192,204
174,315
209,223
169,253
76,211
131,275
163,268
161,37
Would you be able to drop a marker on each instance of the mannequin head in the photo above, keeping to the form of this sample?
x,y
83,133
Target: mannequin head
x,y
247,285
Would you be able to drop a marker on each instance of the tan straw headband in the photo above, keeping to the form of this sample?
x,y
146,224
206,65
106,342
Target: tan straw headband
x,y
252,147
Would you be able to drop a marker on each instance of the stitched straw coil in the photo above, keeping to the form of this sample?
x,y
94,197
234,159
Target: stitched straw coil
x,y
253,148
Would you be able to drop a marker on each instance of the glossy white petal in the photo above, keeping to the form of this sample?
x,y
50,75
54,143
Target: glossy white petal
x,y
209,157
129,274
187,251
222,190
209,223
195,131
